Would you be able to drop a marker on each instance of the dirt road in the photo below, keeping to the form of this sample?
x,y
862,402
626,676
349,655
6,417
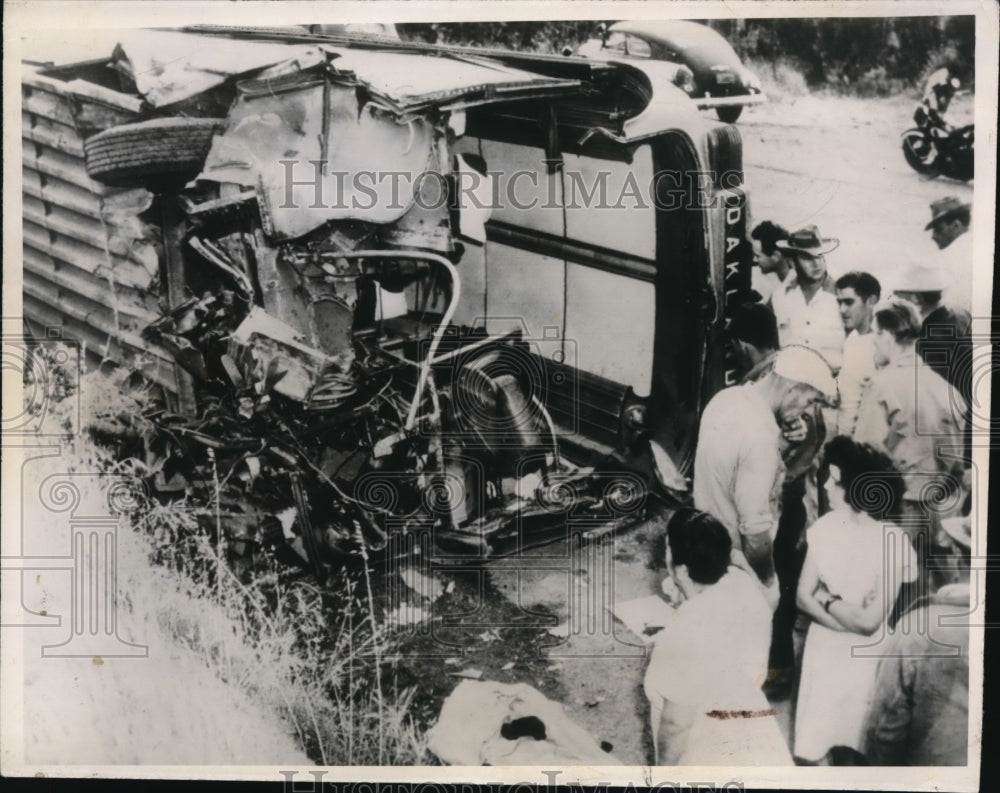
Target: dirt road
x,y
836,162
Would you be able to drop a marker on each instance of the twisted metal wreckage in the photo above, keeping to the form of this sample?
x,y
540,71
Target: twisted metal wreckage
x,y
358,371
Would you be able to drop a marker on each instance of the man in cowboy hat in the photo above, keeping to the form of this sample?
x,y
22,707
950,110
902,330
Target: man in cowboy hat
x,y
950,229
945,344
738,466
804,304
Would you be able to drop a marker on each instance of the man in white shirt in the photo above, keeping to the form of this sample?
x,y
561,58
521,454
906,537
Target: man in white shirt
x,y
738,467
857,295
771,268
703,679
805,305
950,228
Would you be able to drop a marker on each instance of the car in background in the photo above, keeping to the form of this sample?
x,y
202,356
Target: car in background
x,y
383,29
498,366
714,77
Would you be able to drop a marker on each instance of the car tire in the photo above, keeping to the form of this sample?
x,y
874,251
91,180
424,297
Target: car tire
x,y
157,154
729,114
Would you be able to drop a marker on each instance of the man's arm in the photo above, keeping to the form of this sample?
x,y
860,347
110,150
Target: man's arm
x,y
758,474
872,424
805,596
672,734
758,549
853,384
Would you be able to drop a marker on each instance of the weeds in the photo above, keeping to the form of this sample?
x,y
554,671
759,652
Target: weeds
x,y
313,656
780,78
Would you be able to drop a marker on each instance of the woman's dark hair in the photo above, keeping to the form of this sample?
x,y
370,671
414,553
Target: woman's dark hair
x,y
871,482
699,542
768,234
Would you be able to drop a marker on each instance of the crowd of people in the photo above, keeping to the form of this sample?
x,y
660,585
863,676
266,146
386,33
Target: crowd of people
x,y
831,521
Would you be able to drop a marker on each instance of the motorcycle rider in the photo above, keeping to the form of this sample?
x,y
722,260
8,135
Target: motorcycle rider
x,y
938,93
929,114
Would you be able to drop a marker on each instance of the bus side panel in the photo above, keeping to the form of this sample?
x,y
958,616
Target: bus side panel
x,y
610,324
623,216
525,290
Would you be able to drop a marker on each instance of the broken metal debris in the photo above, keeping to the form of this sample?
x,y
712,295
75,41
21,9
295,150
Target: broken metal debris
x,y
335,395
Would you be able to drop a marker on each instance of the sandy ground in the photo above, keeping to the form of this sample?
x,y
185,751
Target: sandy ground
x,y
118,689
836,162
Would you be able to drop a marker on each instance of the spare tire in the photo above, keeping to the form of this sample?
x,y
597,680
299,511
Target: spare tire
x,y
729,113
160,154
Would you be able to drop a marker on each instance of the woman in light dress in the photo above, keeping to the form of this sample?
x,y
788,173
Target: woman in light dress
x,y
857,559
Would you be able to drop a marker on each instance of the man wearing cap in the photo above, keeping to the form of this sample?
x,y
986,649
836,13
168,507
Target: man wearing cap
x,y
951,232
804,304
857,294
754,332
738,467
919,713
945,344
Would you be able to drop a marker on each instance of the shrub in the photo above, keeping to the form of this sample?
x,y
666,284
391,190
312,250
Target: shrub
x,y
780,79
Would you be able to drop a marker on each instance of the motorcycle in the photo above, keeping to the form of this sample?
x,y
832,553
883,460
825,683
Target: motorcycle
x,y
938,151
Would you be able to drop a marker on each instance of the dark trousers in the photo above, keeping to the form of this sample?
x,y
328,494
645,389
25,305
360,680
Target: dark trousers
x,y
789,554
922,524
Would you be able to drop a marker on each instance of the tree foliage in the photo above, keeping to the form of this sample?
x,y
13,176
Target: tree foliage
x,y
835,50
843,50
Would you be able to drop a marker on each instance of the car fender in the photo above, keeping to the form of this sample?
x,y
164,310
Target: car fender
x,y
668,107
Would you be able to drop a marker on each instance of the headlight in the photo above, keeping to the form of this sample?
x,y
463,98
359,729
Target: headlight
x,y
751,80
684,79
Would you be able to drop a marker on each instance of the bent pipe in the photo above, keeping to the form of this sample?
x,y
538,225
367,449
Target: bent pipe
x,y
456,292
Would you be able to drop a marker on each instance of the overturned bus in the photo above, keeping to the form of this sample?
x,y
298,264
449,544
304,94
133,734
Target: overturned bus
x,y
390,288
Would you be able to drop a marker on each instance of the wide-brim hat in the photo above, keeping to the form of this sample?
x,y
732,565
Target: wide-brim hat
x,y
945,209
807,240
922,277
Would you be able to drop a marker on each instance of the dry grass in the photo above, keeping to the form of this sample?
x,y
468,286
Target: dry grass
x,y
309,655
781,79
306,661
